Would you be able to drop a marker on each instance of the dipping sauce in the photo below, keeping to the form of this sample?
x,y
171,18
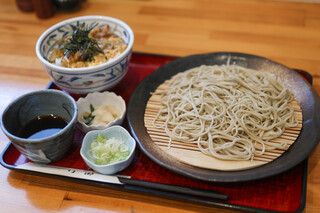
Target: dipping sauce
x,y
42,126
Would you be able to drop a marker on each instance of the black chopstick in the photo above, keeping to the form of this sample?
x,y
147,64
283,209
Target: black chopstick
x,y
171,188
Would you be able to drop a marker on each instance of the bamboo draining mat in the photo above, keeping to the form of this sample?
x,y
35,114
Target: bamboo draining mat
x,y
191,155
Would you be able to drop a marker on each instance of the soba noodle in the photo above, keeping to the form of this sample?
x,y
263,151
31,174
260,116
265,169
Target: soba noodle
x,y
230,112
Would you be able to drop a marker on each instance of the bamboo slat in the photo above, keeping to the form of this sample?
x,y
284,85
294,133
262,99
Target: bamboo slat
x,y
190,154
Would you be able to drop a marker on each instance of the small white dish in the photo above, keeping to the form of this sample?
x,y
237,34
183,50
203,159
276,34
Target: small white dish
x,y
97,99
115,131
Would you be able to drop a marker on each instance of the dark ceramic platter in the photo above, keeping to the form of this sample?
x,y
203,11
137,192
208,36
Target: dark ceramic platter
x,y
307,98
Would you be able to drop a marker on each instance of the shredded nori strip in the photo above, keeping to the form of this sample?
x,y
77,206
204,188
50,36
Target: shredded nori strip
x,y
81,42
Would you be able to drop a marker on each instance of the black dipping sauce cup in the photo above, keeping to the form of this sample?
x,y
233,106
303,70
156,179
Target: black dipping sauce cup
x,y
45,142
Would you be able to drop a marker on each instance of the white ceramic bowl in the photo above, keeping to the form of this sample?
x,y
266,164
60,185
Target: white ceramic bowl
x,y
114,131
87,79
97,99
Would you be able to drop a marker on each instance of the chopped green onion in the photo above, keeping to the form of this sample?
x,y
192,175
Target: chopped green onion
x,y
89,118
106,151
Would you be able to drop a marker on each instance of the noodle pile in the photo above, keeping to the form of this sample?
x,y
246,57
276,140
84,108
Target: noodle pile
x,y
230,112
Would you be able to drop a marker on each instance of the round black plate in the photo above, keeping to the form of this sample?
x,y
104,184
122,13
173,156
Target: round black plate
x,y
307,98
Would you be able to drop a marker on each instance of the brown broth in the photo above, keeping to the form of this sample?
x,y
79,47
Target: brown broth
x,y
42,126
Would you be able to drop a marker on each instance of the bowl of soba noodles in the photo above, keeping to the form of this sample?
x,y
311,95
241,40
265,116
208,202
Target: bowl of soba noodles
x,y
86,54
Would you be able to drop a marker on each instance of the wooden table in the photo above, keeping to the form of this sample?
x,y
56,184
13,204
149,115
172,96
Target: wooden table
x,y
284,31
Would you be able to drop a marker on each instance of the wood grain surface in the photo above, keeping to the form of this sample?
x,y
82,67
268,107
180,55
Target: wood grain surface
x,y
284,31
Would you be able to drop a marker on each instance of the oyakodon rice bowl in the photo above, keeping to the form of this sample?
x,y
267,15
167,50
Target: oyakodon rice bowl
x,y
98,65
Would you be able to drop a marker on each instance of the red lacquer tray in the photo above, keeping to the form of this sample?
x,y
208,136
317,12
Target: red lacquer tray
x,y
285,192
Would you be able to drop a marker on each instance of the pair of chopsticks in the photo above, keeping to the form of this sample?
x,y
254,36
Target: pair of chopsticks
x,y
171,188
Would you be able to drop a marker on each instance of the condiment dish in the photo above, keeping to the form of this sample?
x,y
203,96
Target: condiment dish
x,y
95,100
117,132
